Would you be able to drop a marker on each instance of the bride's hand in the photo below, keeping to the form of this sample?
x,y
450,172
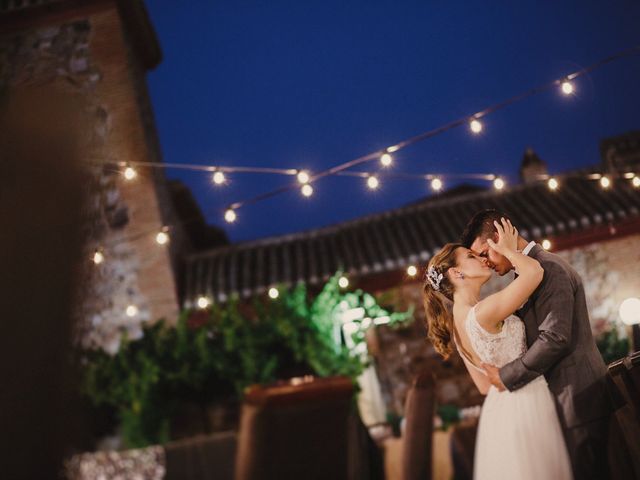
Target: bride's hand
x,y
507,237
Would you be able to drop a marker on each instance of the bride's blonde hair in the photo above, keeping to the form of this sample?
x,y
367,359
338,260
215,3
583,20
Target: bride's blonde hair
x,y
438,300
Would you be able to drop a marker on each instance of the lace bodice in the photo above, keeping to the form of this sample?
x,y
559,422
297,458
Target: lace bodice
x,y
497,348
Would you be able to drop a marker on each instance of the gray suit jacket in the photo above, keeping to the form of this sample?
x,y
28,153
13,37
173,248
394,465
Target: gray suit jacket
x,y
561,346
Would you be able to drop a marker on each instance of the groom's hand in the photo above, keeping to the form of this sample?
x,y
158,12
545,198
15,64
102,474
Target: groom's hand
x,y
494,376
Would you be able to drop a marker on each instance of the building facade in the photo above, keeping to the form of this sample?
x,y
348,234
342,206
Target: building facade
x,y
102,49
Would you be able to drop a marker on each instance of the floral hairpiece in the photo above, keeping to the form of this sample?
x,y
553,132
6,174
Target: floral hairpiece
x,y
434,278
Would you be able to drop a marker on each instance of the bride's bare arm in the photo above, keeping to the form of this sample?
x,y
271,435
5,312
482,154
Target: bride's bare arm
x,y
495,308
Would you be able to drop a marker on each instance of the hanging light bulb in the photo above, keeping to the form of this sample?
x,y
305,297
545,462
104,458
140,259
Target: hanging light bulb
x,y
567,87
546,244
230,215
273,293
436,184
307,190
343,282
303,176
412,270
129,173
386,159
203,302
98,257
131,311
605,182
162,238
373,182
219,177
498,183
475,126
635,181
553,184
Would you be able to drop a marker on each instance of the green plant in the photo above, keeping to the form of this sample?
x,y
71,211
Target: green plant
x,y
217,353
612,346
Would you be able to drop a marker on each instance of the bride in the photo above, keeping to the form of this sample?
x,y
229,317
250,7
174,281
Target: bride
x,y
519,434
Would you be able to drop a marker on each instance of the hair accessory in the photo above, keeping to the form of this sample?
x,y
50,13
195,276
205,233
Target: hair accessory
x,y
434,278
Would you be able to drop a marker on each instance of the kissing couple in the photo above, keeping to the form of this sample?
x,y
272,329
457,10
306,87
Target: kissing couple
x,y
528,348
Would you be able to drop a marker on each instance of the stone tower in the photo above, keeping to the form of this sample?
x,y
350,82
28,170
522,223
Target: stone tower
x,y
103,49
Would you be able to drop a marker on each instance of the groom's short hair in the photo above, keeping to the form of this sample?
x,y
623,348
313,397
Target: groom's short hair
x,y
481,225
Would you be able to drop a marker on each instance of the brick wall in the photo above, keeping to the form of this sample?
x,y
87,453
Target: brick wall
x,y
91,52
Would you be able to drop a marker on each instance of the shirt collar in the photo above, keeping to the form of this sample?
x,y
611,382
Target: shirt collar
x,y
527,249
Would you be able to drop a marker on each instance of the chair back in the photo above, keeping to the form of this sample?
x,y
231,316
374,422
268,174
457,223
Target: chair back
x,y
295,430
418,432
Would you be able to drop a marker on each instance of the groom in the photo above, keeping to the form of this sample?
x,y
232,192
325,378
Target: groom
x,y
560,347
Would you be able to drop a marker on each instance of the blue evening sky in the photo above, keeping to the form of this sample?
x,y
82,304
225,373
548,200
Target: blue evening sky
x,y
315,83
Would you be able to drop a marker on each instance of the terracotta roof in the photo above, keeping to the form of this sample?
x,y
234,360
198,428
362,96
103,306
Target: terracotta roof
x,y
394,239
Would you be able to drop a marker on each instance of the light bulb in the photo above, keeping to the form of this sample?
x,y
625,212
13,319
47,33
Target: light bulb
x,y
373,182
219,178
630,311
98,257
546,244
203,302
307,190
475,126
605,182
436,184
274,293
230,215
635,181
498,183
162,238
553,184
303,176
343,282
386,159
412,270
567,87
129,173
132,311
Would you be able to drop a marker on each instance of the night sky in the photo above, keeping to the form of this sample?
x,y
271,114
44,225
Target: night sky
x,y
314,83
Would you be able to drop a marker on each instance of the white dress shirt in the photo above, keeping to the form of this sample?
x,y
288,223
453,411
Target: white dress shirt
x,y
527,249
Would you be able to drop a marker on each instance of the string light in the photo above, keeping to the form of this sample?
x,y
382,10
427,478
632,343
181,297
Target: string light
x,y
635,181
230,215
567,87
412,270
475,126
273,293
162,238
129,173
203,302
605,182
553,184
498,183
131,311
303,176
307,190
386,159
373,182
343,282
98,257
436,184
546,244
219,178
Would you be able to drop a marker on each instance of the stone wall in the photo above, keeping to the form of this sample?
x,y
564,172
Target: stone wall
x,y
610,271
93,56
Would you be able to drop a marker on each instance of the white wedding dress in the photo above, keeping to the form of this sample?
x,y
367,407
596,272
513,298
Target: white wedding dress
x,y
519,434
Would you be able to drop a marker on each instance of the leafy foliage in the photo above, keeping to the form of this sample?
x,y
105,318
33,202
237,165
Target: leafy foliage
x,y
612,346
216,353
